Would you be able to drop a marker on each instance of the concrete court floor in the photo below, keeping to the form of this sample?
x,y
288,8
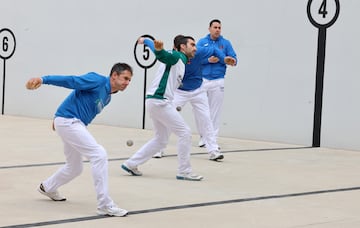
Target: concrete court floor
x,y
259,184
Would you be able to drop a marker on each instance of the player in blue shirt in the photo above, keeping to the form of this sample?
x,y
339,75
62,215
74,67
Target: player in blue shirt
x,y
213,71
91,93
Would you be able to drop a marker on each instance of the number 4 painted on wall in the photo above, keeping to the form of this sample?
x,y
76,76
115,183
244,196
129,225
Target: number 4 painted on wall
x,y
322,9
322,24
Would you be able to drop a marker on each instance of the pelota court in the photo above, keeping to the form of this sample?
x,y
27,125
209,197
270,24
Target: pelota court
x,y
258,184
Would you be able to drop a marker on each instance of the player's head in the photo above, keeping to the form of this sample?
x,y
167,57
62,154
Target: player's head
x,y
182,40
187,45
215,28
120,76
120,67
177,40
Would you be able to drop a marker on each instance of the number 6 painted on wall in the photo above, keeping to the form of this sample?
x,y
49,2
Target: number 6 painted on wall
x,y
7,50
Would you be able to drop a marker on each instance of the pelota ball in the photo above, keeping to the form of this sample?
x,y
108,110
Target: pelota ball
x,y
129,142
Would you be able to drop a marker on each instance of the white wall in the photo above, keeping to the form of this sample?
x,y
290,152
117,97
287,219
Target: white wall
x,y
269,95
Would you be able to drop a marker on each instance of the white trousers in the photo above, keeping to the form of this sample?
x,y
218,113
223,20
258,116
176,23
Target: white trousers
x,y
200,107
79,143
165,120
215,92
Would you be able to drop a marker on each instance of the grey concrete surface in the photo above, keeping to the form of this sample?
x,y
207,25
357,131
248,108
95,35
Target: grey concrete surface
x,y
258,184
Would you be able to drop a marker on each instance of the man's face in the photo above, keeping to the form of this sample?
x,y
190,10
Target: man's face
x,y
215,30
190,48
119,82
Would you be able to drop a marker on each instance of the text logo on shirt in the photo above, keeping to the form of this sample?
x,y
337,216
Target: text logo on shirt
x,y
99,105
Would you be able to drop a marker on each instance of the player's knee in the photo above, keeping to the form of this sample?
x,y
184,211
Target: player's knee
x,y
101,155
74,170
185,133
78,170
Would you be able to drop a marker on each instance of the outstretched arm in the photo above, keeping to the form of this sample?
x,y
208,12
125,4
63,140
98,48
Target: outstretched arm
x,y
83,82
166,57
157,46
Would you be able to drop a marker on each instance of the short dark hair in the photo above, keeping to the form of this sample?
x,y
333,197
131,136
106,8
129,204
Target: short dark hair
x,y
214,21
177,40
183,40
120,67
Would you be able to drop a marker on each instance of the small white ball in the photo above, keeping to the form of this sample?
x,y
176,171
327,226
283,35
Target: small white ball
x,y
129,142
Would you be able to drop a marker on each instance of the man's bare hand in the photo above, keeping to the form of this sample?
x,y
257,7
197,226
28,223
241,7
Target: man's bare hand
x,y
230,61
213,59
159,45
141,40
34,83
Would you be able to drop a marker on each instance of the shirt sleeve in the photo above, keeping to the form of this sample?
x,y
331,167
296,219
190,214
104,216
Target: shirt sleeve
x,y
150,44
166,57
84,82
230,50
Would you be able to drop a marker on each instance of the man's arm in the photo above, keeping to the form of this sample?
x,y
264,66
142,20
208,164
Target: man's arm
x,y
214,55
230,51
147,42
84,82
163,56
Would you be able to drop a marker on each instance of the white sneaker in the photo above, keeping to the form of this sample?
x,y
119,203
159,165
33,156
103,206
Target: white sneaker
x,y
112,211
159,154
215,155
52,195
132,170
189,176
201,143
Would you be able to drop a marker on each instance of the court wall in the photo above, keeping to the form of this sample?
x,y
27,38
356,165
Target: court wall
x,y
269,95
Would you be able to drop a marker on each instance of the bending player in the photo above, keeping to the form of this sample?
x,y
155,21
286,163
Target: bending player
x,y
165,118
190,91
91,93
